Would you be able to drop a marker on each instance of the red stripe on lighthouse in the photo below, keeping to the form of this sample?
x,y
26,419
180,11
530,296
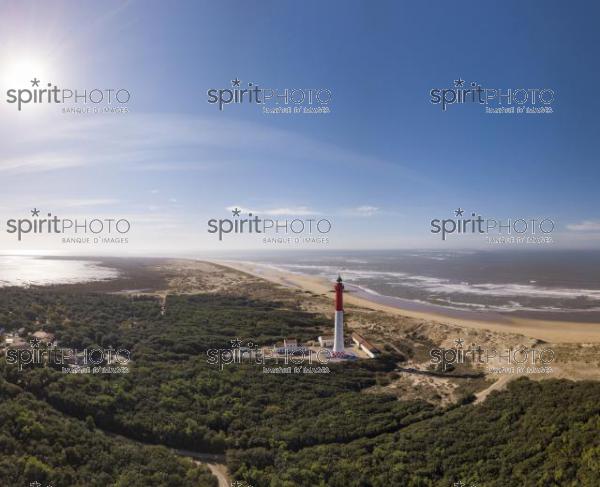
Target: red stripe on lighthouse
x,y
339,295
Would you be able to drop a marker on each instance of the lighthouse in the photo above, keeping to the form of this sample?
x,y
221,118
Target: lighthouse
x,y
338,335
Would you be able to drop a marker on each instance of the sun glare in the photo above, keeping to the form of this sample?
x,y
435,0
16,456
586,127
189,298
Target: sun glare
x,y
18,71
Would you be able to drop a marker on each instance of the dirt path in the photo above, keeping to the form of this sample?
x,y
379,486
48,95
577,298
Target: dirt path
x,y
496,386
214,462
219,471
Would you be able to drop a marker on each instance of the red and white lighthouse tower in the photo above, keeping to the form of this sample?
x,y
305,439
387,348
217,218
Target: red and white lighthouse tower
x,y
338,334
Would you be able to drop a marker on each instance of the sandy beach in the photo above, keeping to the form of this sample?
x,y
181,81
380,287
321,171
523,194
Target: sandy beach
x,y
548,331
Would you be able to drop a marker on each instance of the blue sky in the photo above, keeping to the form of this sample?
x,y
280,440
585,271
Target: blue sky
x,y
381,165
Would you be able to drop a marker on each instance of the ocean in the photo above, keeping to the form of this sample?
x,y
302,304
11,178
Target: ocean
x,y
42,271
550,284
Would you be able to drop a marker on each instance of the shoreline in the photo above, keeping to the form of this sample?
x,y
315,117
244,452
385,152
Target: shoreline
x,y
547,330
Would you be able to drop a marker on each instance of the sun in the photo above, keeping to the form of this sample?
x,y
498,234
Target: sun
x,y
18,71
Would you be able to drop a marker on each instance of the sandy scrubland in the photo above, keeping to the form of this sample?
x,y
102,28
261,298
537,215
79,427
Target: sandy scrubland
x,y
575,347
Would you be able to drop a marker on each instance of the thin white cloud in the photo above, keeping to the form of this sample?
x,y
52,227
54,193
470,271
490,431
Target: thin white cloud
x,y
365,210
585,226
285,211
41,161
78,203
